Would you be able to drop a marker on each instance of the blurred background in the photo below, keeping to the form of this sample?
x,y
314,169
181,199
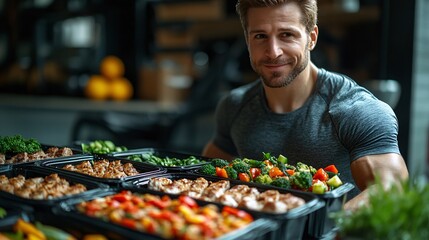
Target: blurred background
x,y
148,73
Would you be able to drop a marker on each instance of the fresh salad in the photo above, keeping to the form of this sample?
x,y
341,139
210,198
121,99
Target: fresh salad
x,y
277,172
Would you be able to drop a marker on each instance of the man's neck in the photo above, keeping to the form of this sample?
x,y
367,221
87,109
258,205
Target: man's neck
x,y
293,96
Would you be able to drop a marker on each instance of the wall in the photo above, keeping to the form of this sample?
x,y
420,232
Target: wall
x,y
419,128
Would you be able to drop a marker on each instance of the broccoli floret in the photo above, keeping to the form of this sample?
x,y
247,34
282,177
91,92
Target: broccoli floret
x,y
217,162
304,167
264,179
281,182
301,180
17,144
208,169
232,173
240,166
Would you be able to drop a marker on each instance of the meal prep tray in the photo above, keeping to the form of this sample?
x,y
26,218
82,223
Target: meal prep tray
x,y
35,171
291,223
161,153
320,224
258,229
75,228
142,168
44,147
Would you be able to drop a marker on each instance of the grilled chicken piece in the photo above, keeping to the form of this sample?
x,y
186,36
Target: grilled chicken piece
x,y
291,200
18,158
2,158
197,187
250,203
130,170
4,180
37,155
64,152
17,182
215,190
7,188
157,183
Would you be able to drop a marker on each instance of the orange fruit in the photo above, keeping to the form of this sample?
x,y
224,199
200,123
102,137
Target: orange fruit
x,y
121,89
112,67
97,88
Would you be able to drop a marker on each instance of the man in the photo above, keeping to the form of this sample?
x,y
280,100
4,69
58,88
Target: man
x,y
306,113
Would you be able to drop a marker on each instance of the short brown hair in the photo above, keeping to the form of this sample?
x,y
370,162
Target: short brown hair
x,y
308,8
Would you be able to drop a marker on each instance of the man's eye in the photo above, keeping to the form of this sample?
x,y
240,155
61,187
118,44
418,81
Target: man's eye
x,y
259,36
287,34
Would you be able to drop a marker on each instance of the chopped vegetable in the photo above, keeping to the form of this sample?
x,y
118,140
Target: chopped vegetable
x,y
240,166
101,147
319,187
221,172
53,233
255,172
334,182
264,179
217,162
231,172
275,172
244,177
282,182
18,144
332,169
208,169
321,175
301,180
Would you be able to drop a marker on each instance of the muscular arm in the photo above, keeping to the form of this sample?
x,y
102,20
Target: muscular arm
x,y
213,151
389,167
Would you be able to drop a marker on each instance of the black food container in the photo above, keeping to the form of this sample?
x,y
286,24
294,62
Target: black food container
x,y
291,223
320,224
45,148
142,168
46,204
257,230
161,153
76,229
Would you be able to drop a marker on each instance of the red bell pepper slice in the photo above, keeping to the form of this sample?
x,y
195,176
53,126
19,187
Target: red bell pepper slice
x,y
332,169
321,175
129,223
188,201
244,177
221,172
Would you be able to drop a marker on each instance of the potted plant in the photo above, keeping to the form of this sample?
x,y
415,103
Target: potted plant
x,y
400,212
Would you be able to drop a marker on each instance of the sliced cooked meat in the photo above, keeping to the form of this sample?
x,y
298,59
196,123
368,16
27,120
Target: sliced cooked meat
x,y
36,155
291,200
19,158
64,152
130,170
215,190
157,183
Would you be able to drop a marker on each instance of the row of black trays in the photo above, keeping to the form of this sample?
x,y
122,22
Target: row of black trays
x,y
309,221
48,211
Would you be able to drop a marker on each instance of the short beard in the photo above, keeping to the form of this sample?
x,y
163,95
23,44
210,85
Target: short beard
x,y
285,80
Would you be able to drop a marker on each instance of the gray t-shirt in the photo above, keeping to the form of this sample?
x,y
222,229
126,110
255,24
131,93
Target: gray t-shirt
x,y
338,124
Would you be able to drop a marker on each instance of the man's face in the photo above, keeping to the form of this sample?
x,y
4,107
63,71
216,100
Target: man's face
x,y
278,43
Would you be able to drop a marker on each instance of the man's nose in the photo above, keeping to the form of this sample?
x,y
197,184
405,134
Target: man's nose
x,y
273,49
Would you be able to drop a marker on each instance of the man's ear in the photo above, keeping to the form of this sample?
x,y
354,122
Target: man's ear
x,y
313,37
